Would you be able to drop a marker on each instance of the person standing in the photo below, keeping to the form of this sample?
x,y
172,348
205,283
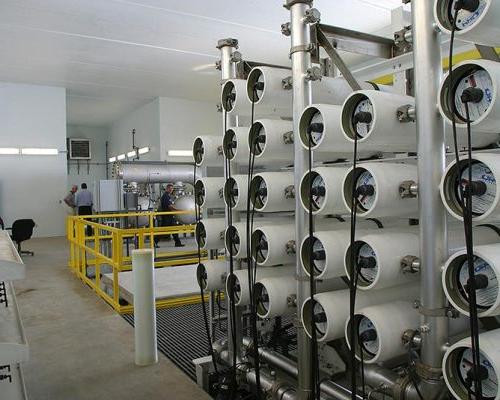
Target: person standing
x,y
84,202
166,204
70,199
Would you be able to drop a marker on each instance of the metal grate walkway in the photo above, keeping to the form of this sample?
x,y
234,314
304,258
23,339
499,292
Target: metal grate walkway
x,y
181,335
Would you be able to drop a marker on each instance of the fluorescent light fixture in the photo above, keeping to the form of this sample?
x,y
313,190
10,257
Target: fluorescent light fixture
x,y
180,153
112,159
144,150
39,152
120,157
131,154
9,150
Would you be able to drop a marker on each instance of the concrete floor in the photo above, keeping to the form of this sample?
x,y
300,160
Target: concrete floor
x,y
79,347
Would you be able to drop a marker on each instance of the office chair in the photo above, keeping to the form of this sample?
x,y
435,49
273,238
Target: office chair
x,y
22,229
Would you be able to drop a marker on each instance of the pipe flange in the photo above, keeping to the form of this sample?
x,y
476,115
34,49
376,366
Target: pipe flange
x,y
227,42
428,373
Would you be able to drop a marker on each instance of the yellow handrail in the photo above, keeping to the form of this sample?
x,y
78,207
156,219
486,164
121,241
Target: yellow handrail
x,y
103,251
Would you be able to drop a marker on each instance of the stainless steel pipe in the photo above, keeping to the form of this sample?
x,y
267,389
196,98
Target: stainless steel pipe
x,y
153,172
431,166
302,97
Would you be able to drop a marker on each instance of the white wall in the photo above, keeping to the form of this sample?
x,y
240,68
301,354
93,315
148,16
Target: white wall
x,y
96,168
146,121
31,186
182,120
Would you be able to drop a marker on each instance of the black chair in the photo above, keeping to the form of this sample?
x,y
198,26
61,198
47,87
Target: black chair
x,y
22,229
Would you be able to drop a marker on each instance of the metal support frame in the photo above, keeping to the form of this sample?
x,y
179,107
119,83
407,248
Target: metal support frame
x,y
431,166
302,97
228,70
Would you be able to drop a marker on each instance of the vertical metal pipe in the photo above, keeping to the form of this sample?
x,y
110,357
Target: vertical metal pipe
x,y
228,71
302,97
431,165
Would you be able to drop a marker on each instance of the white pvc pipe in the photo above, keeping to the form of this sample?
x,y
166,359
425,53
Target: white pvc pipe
x,y
207,151
331,180
240,105
389,248
210,233
211,275
333,243
208,192
455,278
235,145
237,201
275,184
274,150
281,292
385,131
146,352
457,361
479,27
485,115
240,279
485,207
390,321
336,307
386,179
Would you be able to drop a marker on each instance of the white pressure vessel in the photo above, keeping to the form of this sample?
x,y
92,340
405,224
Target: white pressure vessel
x,y
209,233
207,151
235,145
476,25
208,192
269,144
211,275
377,188
457,362
268,192
236,192
234,99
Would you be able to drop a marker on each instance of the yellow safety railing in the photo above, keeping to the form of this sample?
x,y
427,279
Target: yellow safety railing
x,y
108,252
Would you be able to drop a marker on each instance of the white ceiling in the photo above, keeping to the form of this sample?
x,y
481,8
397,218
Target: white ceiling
x,y
114,55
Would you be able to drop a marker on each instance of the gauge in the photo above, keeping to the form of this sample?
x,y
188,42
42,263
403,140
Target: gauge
x,y
479,79
317,135
485,297
480,172
320,321
366,262
368,338
465,18
363,128
366,201
489,385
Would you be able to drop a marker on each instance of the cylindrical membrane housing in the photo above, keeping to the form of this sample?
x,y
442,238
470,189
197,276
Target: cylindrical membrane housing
x,y
326,193
234,99
207,151
209,233
236,192
266,141
211,275
482,76
235,145
380,330
152,172
331,309
487,274
457,362
208,192
268,192
372,117
485,195
238,281
269,244
479,25
377,190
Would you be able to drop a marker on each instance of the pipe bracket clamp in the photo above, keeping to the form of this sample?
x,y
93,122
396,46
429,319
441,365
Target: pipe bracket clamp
x,y
303,48
436,312
291,3
227,42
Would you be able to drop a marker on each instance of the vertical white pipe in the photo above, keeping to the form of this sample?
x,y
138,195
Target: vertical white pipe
x,y
146,352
